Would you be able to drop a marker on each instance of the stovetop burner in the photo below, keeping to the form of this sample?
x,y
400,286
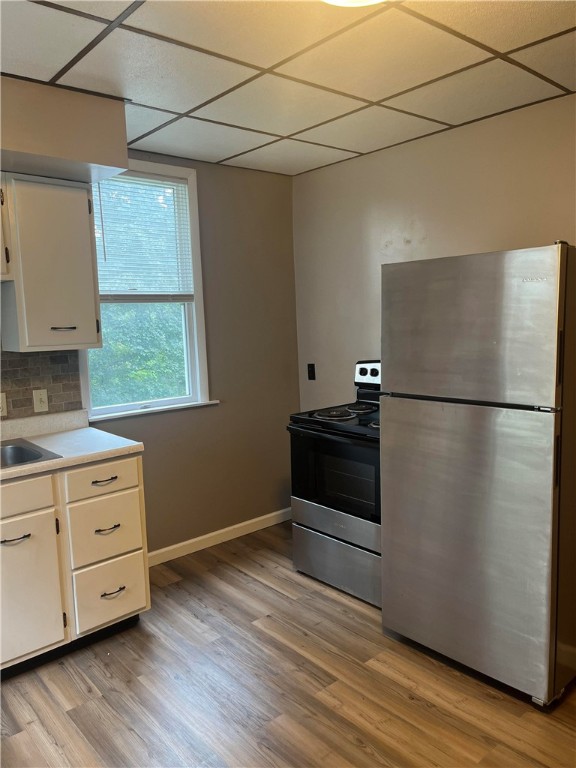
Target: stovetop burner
x,y
340,419
362,407
359,419
334,414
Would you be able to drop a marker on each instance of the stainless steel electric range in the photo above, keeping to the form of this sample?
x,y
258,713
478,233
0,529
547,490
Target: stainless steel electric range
x,y
336,490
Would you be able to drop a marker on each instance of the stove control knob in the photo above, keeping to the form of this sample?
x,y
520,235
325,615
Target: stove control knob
x,y
363,371
374,372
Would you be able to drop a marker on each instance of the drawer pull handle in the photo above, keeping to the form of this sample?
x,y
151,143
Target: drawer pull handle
x,y
104,595
18,538
63,327
104,531
105,482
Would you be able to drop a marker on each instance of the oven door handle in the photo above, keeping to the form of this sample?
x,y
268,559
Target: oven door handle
x,y
325,434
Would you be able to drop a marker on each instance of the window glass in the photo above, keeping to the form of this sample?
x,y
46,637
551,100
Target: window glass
x,y
144,356
152,350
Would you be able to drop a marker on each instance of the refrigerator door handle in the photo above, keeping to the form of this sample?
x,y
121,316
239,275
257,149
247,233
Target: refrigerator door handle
x,y
560,362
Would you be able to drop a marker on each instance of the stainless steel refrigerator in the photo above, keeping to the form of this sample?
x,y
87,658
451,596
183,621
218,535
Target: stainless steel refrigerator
x,y
478,461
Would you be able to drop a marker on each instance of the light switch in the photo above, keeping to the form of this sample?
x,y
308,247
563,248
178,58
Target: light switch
x,y
40,400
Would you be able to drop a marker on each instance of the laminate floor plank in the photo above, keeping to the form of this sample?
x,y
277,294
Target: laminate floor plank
x,y
242,662
303,747
10,726
419,729
543,746
117,741
187,626
49,727
340,735
22,750
277,539
411,668
162,575
230,740
248,563
286,693
67,684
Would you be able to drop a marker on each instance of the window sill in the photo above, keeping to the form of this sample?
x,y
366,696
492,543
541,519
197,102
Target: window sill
x,y
146,411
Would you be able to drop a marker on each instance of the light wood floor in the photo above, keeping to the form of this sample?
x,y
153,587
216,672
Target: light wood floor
x,y
242,662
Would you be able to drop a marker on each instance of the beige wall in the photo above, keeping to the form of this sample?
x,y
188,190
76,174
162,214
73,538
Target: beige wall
x,y
211,467
507,182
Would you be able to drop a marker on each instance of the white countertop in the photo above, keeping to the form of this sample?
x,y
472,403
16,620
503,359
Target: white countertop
x,y
76,446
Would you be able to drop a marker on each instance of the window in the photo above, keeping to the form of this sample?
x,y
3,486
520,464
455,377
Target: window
x,y
147,247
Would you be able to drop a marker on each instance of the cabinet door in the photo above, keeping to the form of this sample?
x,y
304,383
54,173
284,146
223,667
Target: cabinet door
x,y
31,606
51,222
4,239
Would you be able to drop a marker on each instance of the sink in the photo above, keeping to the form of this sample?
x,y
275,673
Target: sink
x,y
19,451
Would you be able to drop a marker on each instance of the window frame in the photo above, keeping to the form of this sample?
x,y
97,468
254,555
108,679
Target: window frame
x,y
195,341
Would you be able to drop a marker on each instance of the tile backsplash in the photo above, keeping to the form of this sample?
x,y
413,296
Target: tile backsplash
x,y
56,372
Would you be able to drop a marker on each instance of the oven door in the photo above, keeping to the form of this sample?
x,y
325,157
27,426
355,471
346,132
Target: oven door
x,y
336,471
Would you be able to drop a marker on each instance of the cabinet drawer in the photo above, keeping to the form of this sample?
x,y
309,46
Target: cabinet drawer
x,y
104,527
107,592
26,496
98,479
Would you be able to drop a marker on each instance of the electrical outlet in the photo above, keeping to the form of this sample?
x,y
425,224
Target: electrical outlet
x,y
3,408
40,400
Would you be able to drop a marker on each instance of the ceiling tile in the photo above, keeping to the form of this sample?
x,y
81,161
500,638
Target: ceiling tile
x,y
37,41
556,59
478,92
106,9
153,72
501,24
370,129
261,33
383,56
200,140
140,120
289,157
277,105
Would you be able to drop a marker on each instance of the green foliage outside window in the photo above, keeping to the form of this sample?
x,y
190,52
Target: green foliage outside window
x,y
143,356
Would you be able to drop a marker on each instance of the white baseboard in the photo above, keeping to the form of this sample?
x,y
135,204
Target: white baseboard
x,y
217,537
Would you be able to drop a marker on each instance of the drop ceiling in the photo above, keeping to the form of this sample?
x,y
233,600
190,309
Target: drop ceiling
x,y
288,86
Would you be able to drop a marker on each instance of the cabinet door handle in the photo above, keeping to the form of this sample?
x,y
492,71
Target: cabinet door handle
x,y
104,531
104,595
18,538
63,327
105,482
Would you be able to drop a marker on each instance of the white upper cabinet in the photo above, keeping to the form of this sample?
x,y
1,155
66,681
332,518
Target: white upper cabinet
x,y
52,302
5,272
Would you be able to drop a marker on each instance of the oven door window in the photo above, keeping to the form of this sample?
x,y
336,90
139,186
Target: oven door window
x,y
338,473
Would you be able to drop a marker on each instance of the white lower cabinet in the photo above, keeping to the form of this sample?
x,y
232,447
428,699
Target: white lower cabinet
x,y
107,542
31,594
105,527
108,591
73,555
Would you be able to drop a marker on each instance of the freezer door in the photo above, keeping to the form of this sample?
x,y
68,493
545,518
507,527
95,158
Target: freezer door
x,y
482,327
468,521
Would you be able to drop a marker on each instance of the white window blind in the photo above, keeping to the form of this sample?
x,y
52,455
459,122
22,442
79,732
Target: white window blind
x,y
142,229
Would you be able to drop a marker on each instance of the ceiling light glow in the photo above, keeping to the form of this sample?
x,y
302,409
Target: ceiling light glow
x,y
353,3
